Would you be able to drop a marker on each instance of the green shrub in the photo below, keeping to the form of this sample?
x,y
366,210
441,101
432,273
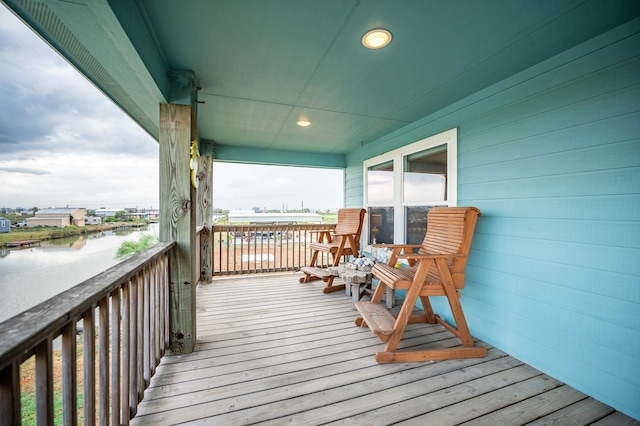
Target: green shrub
x,y
67,231
129,248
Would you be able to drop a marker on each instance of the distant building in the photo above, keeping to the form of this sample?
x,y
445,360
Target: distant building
x,y
94,220
5,225
154,214
142,216
108,212
58,217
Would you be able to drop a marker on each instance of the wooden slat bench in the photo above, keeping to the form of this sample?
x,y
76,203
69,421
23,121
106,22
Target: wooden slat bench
x,y
343,241
437,269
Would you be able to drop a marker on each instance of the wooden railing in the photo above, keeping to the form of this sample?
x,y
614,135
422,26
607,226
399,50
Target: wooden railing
x,y
124,316
250,249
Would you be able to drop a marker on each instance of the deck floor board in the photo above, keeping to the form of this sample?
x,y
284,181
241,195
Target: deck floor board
x,y
271,350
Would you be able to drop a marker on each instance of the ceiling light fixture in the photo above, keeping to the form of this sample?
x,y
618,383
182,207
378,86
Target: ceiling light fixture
x,y
376,39
303,123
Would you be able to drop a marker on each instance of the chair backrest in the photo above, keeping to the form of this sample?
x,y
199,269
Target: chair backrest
x,y
350,222
450,230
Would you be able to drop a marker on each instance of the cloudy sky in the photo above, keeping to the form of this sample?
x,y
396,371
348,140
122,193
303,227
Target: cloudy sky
x,y
63,143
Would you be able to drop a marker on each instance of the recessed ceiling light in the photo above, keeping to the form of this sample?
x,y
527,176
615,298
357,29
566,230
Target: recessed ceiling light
x,y
376,39
303,123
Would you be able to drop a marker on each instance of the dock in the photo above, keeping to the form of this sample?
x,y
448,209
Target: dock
x,y
22,244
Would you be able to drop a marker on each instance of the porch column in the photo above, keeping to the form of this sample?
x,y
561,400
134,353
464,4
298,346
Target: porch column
x,y
177,212
204,210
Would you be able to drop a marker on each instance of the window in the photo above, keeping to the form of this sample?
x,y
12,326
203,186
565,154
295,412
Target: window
x,y
402,185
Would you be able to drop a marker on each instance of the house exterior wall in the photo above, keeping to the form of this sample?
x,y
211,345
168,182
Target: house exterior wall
x,y
58,217
551,156
5,225
79,217
60,221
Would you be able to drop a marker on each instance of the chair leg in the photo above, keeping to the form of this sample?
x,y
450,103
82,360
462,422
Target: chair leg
x,y
405,311
462,328
462,332
379,292
330,288
428,310
307,277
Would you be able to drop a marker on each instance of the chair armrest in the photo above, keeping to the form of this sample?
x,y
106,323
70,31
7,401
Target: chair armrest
x,y
418,256
391,246
396,250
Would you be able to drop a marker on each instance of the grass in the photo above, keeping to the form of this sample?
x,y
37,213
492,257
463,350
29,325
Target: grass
x,y
28,388
330,218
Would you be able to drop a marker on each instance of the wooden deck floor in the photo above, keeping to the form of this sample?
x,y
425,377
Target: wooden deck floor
x,y
273,351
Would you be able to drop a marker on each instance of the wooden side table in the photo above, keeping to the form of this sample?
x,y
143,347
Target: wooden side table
x,y
359,282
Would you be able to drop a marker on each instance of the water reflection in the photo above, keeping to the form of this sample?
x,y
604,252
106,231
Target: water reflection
x,y
29,276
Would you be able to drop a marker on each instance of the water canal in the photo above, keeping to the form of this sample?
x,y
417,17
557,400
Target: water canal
x,y
32,275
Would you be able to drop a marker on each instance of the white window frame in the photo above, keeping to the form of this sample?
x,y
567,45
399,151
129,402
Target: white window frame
x,y
449,138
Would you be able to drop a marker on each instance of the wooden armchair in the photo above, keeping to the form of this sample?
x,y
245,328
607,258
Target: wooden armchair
x,y
437,269
343,241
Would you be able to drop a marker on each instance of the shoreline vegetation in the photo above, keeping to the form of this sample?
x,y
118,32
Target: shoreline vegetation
x,y
42,233
51,233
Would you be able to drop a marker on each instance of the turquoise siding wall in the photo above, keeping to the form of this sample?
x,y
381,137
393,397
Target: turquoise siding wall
x,y
552,158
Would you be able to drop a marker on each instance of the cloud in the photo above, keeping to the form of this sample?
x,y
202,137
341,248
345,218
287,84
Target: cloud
x,y
62,142
49,107
83,180
245,186
24,170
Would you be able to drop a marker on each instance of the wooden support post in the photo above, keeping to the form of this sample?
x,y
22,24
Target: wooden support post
x,y
178,206
178,221
204,212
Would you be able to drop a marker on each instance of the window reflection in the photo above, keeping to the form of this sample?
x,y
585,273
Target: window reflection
x,y
381,225
380,184
416,219
425,176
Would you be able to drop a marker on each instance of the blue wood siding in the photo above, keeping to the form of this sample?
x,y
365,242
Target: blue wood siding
x,y
552,158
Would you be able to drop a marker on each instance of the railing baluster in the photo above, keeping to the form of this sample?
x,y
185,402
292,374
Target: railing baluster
x,y
146,336
89,367
103,361
164,294
157,309
44,382
140,335
10,393
116,348
139,362
69,375
153,318
133,346
126,349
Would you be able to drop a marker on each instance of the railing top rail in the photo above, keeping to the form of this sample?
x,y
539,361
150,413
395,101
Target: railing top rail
x,y
310,227
23,331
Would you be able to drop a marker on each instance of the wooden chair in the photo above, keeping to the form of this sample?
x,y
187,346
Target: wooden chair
x,y
344,240
437,269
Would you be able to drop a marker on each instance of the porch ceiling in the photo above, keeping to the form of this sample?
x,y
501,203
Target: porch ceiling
x,y
262,64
